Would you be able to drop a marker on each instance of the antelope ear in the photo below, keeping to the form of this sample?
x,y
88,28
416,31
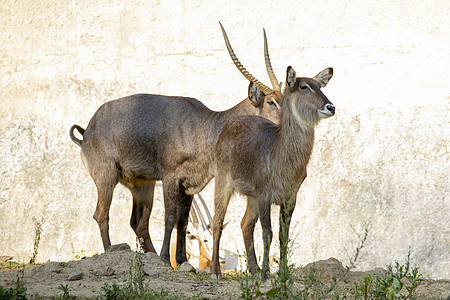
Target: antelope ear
x,y
291,76
255,95
324,76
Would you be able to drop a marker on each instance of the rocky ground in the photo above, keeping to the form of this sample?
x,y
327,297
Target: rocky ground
x,y
85,278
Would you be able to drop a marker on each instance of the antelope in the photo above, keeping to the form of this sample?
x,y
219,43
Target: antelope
x,y
199,236
142,138
267,163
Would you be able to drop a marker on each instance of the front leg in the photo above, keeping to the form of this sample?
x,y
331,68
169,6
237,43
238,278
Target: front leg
x,y
248,227
286,211
266,224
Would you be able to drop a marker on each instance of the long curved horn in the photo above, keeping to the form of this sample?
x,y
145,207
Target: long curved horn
x,y
193,216
273,78
208,214
199,213
264,88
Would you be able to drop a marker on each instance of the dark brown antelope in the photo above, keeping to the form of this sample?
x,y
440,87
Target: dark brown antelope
x,y
267,163
142,138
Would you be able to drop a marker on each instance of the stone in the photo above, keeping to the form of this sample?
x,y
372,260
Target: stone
x,y
151,271
106,271
118,247
202,271
156,260
186,267
326,269
77,275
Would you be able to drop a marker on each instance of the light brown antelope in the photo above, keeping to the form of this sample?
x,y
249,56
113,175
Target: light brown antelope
x,y
199,236
142,138
267,163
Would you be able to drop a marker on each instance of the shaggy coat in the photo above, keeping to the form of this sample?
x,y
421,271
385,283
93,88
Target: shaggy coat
x,y
267,162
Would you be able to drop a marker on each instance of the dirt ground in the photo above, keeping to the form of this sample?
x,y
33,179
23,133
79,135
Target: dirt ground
x,y
91,273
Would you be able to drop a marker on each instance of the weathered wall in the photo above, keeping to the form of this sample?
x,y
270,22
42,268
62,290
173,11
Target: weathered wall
x,y
382,160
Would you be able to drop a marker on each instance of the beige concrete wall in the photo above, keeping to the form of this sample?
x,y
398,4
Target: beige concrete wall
x,y
382,160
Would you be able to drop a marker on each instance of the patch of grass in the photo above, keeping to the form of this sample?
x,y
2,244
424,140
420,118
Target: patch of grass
x,y
398,282
65,290
18,292
136,270
283,280
78,255
11,265
125,292
201,277
134,287
250,285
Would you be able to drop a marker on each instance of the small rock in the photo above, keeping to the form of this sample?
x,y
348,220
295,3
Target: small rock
x,y
118,247
326,269
156,260
77,275
186,267
202,271
151,271
55,267
107,271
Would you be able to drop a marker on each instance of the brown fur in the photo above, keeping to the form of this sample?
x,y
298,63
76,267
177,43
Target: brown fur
x,y
267,162
142,138
139,139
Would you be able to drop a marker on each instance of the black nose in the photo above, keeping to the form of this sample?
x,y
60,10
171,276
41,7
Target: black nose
x,y
330,108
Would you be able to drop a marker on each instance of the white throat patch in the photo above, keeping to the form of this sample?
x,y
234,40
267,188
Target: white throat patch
x,y
298,118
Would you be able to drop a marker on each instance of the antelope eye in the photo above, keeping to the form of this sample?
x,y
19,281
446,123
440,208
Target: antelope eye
x,y
205,241
304,87
270,102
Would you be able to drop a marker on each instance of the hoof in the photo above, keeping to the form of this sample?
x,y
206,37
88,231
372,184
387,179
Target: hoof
x,y
216,276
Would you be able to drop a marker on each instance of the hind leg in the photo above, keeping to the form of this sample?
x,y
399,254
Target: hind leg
x,y
105,188
222,195
142,208
171,196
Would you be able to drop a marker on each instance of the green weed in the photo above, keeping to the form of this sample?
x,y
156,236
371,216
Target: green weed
x,y
37,239
399,282
134,287
18,292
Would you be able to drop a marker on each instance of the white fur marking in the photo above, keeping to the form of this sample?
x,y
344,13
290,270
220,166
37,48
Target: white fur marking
x,y
309,87
276,103
300,121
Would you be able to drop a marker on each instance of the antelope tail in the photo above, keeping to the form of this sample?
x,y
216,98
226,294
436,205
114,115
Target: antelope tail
x,y
73,137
